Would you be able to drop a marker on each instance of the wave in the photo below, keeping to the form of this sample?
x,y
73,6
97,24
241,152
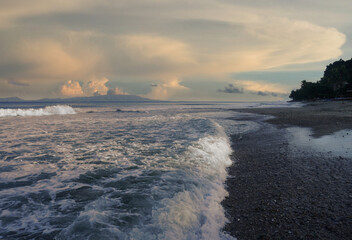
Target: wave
x,y
160,178
49,110
197,212
192,213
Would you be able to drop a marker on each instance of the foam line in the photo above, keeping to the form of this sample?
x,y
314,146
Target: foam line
x,y
49,110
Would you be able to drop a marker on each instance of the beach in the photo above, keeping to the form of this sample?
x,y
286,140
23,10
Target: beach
x,y
291,178
176,171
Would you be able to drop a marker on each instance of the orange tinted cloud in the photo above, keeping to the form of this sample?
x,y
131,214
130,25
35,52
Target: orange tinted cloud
x,y
53,60
71,89
260,86
95,86
167,90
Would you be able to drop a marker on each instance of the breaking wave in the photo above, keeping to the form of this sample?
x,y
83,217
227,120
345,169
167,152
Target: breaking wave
x,y
196,213
49,110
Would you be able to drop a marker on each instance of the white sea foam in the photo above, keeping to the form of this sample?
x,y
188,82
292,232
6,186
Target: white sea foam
x,y
49,110
211,154
196,213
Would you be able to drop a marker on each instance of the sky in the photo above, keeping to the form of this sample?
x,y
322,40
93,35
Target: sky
x,y
212,50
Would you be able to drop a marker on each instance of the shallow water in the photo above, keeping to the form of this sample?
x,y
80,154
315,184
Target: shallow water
x,y
144,172
338,144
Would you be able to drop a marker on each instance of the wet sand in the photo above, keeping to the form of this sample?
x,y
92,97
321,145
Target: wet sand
x,y
323,117
278,190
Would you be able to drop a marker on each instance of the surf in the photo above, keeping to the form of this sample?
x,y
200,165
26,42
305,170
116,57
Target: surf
x,y
48,110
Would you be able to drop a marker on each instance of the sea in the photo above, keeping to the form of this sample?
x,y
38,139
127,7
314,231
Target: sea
x,y
117,170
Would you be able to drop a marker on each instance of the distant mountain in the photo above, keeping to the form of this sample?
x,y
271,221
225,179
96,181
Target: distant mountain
x,y
100,98
11,99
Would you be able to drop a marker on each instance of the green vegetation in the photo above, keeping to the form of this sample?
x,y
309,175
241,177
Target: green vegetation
x,y
336,83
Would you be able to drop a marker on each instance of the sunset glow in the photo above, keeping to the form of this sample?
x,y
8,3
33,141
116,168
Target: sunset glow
x,y
65,48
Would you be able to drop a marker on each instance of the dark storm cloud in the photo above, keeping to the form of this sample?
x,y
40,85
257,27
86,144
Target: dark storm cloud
x,y
260,93
273,94
231,89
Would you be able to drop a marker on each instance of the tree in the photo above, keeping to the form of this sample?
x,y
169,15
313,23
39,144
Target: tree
x,y
336,82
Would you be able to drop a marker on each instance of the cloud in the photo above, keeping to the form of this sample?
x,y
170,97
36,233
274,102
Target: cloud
x,y
262,87
271,94
72,89
167,90
10,11
159,40
260,93
42,59
257,88
94,87
149,47
267,89
48,58
231,89
152,55
116,91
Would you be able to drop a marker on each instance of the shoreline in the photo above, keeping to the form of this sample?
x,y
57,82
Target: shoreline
x,y
279,190
324,118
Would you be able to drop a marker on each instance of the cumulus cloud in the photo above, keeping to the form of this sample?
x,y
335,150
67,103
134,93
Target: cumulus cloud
x,y
231,89
167,90
72,89
94,87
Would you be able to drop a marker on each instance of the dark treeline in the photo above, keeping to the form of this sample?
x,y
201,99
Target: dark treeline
x,y
336,83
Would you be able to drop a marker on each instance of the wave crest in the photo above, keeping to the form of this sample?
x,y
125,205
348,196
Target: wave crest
x,y
49,110
196,213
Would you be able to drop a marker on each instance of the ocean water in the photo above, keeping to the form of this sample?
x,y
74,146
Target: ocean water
x,y
91,172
